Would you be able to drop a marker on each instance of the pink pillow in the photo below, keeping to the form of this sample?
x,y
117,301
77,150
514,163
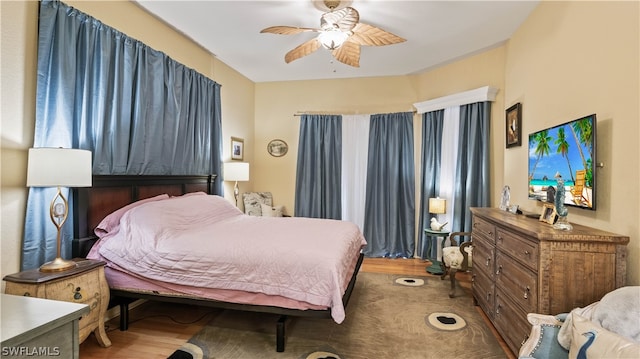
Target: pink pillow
x,y
112,221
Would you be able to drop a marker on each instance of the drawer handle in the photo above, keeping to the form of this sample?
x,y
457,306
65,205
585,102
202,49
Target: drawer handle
x,y
499,269
488,296
498,309
77,295
527,253
490,233
527,290
488,261
500,238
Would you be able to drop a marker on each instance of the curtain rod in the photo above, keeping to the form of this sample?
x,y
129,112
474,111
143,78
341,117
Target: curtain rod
x,y
300,113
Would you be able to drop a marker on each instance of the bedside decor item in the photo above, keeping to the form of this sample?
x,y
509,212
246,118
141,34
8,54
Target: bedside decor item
x,y
234,172
58,167
237,149
437,206
277,148
513,125
548,213
560,208
437,226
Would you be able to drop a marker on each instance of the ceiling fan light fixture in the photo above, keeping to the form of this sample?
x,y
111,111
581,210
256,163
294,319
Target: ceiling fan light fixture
x,y
332,39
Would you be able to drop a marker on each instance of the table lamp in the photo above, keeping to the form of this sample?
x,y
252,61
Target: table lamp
x,y
58,167
437,206
236,171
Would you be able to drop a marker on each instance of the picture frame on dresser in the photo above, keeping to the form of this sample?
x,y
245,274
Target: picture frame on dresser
x,y
548,213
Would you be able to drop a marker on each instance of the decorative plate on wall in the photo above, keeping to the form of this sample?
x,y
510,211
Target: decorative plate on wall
x,y
277,148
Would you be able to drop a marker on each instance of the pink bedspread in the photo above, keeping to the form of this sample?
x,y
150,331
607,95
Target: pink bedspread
x,y
204,241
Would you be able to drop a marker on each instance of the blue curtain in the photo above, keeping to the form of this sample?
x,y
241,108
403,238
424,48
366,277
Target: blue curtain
x,y
135,108
432,124
472,175
389,224
319,167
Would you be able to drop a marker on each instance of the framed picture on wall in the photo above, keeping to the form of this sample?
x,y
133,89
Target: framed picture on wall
x,y
514,125
237,148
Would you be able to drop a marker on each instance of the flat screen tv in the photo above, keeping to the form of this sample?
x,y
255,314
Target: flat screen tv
x,y
568,150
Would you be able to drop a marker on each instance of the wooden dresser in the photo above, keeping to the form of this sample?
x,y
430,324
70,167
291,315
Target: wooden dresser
x,y
85,284
522,265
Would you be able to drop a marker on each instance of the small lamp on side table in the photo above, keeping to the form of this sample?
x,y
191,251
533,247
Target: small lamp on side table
x,y
436,206
58,167
236,171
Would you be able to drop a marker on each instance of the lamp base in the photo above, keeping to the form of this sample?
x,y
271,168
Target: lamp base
x,y
58,265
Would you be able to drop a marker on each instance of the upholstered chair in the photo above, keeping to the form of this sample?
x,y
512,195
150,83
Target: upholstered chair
x,y
457,256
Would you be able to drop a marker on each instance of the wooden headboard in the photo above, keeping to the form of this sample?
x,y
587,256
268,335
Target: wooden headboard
x,y
108,193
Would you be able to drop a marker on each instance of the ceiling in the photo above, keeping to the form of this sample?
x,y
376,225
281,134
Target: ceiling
x,y
437,32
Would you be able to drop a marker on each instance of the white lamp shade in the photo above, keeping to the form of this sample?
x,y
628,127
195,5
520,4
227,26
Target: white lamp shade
x,y
437,205
59,167
236,171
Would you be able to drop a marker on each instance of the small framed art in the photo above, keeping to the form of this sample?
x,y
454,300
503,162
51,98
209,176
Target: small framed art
x,y
514,125
548,213
277,148
237,149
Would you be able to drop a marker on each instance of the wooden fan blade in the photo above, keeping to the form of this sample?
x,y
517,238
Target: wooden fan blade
x,y
348,53
368,35
287,30
344,19
303,50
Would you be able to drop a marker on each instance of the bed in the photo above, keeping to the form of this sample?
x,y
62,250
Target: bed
x,y
144,226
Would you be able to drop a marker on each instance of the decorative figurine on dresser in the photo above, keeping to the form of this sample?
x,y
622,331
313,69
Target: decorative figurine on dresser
x,y
522,265
84,284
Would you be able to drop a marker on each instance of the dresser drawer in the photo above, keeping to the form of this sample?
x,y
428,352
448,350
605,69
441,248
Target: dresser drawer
x,y
78,289
517,282
483,258
521,249
483,230
483,290
511,322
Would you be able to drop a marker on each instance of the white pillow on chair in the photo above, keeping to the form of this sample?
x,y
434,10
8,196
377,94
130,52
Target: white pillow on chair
x,y
268,211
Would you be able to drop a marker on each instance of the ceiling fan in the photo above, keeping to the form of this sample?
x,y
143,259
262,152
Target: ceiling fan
x,y
341,32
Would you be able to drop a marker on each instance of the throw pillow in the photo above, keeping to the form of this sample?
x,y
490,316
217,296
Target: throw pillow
x,y
589,340
253,201
268,211
542,341
112,221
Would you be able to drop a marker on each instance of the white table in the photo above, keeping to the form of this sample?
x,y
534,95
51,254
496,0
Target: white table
x,y
39,328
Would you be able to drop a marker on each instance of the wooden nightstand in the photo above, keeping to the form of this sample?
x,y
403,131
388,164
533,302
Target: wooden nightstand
x,y
85,284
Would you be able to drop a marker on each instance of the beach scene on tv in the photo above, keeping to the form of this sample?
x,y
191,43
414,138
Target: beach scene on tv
x,y
564,151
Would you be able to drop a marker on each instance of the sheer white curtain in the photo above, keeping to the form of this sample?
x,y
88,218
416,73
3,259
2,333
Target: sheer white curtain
x,y
355,148
448,160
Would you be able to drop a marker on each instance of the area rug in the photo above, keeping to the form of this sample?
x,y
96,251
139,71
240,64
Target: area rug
x,y
388,316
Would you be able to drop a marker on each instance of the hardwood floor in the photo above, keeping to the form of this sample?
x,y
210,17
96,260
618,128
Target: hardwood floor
x,y
161,328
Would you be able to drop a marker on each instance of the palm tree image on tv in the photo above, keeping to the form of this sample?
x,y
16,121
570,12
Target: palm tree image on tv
x,y
566,150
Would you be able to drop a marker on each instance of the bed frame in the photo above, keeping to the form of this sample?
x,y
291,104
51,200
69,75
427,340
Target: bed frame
x,y
108,193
